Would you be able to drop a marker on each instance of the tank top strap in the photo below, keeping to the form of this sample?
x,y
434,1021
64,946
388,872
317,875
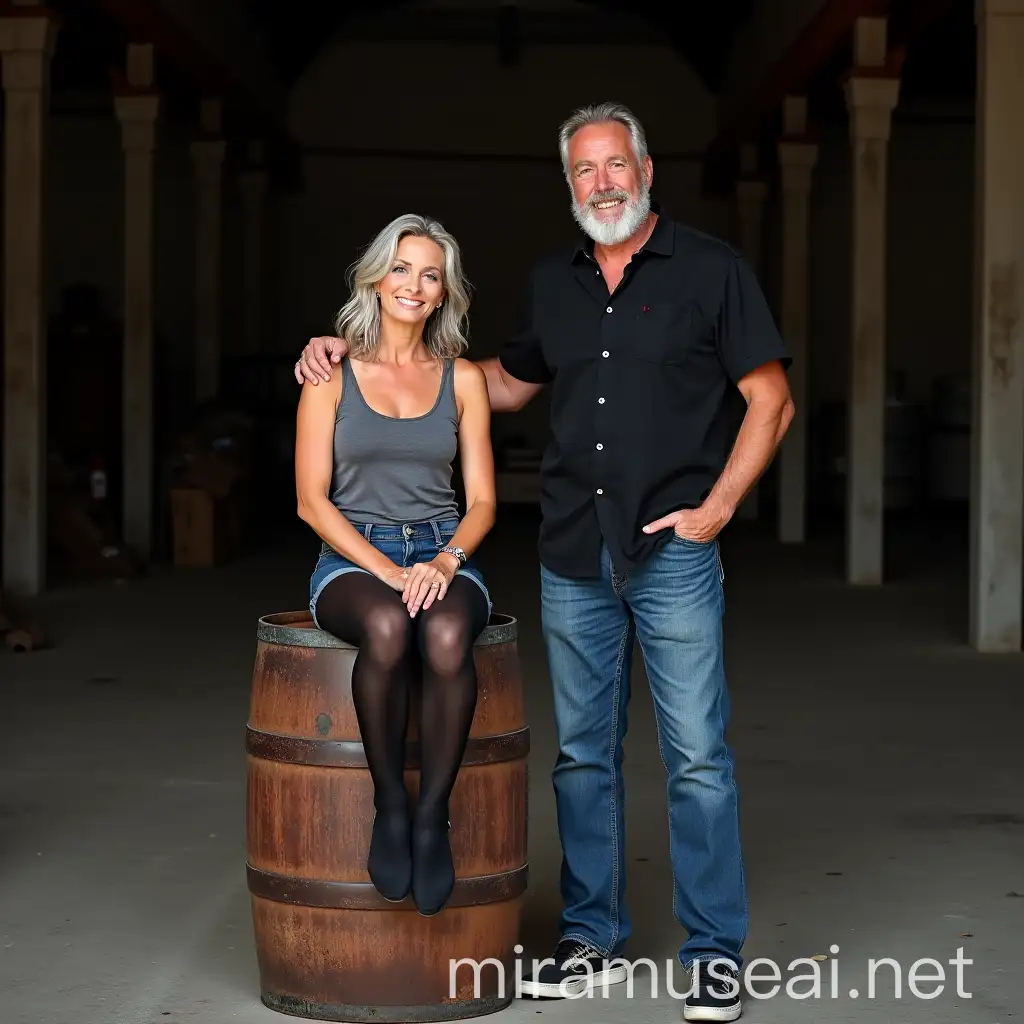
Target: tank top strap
x,y
448,384
348,382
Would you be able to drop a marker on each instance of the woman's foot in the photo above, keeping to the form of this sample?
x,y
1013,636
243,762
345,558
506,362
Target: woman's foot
x,y
433,870
390,860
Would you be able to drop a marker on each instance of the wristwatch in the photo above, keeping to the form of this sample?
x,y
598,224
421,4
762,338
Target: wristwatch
x,y
457,552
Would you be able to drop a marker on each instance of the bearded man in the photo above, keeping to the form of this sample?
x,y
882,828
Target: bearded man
x,y
642,330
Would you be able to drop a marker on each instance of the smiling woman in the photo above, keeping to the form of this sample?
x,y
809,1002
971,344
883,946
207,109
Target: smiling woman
x,y
374,453
412,282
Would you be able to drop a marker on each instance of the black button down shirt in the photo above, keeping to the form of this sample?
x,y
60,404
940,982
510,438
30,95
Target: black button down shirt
x,y
641,380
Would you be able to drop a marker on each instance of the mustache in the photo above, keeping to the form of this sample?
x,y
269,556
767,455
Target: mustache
x,y
603,197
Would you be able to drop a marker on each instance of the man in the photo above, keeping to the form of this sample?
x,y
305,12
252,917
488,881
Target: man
x,y
642,330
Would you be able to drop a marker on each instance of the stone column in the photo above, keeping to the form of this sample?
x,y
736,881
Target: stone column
x,y
208,155
997,486
871,93
27,34
253,186
797,157
751,193
137,107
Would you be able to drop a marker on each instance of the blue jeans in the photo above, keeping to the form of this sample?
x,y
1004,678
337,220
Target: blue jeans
x,y
673,607
405,544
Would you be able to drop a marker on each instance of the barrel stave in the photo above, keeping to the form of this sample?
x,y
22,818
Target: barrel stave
x,y
312,823
378,957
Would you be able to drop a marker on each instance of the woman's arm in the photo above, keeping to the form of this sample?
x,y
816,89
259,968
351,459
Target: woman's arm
x,y
477,462
476,457
314,462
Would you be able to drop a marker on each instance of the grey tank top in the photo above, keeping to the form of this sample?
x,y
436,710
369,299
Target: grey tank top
x,y
389,470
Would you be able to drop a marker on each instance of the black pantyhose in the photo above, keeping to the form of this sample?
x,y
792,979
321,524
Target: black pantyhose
x,y
409,851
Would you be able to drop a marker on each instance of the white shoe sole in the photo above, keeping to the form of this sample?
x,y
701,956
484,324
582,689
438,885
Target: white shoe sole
x,y
712,1012
573,986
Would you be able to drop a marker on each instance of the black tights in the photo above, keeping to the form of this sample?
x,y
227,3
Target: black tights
x,y
363,610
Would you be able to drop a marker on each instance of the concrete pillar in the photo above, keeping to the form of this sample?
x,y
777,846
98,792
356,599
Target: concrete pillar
x,y
997,487
797,157
253,186
751,193
137,106
871,93
208,156
27,34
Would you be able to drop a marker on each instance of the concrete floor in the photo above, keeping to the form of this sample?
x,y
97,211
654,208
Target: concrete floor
x,y
880,763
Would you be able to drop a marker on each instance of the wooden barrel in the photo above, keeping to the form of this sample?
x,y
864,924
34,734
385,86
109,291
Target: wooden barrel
x,y
328,946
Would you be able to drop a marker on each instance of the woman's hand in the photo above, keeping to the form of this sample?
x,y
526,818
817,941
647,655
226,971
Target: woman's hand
x,y
397,577
428,581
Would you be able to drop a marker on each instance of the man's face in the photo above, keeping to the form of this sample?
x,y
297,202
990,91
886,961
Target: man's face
x,y
610,189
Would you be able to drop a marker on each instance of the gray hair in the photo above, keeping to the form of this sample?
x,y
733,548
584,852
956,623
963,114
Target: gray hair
x,y
358,321
601,113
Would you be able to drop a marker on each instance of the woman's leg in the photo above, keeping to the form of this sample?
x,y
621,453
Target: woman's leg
x,y
362,610
447,630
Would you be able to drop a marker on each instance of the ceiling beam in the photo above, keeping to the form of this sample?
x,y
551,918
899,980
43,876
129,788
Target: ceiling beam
x,y
813,49
145,20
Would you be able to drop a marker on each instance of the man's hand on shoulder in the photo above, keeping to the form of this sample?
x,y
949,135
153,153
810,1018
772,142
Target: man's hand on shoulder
x,y
314,364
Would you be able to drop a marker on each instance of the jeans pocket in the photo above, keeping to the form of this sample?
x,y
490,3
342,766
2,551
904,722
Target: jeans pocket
x,y
692,543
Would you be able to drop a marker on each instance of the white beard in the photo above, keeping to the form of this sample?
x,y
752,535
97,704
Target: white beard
x,y
615,232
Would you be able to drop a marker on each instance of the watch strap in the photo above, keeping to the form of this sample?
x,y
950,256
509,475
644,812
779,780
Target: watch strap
x,y
457,552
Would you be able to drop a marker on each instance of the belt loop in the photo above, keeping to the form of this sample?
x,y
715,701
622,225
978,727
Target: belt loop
x,y
367,530
437,532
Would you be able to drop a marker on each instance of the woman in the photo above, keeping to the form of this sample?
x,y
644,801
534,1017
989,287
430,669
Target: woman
x,y
373,460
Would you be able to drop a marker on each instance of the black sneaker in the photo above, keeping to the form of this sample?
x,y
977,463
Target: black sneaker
x,y
576,967
716,992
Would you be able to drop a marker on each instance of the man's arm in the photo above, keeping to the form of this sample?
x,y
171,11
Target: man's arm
x,y
507,393
769,413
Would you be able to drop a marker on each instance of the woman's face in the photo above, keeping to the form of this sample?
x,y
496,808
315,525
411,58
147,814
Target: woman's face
x,y
412,289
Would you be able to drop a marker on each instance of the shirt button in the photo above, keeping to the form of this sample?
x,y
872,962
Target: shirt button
x,y
600,447
609,309
605,353
600,491
600,401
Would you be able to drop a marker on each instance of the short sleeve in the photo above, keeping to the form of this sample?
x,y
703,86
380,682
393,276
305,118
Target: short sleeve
x,y
522,356
747,335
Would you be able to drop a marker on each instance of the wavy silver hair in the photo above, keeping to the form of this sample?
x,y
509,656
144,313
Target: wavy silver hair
x,y
358,321
601,113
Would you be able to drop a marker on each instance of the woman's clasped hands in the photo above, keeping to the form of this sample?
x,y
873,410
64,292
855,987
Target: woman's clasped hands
x,y
422,583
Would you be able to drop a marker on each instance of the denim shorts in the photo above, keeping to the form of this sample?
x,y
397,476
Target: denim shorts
x,y
405,544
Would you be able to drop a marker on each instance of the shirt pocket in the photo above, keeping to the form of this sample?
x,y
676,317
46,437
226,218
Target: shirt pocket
x,y
665,333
